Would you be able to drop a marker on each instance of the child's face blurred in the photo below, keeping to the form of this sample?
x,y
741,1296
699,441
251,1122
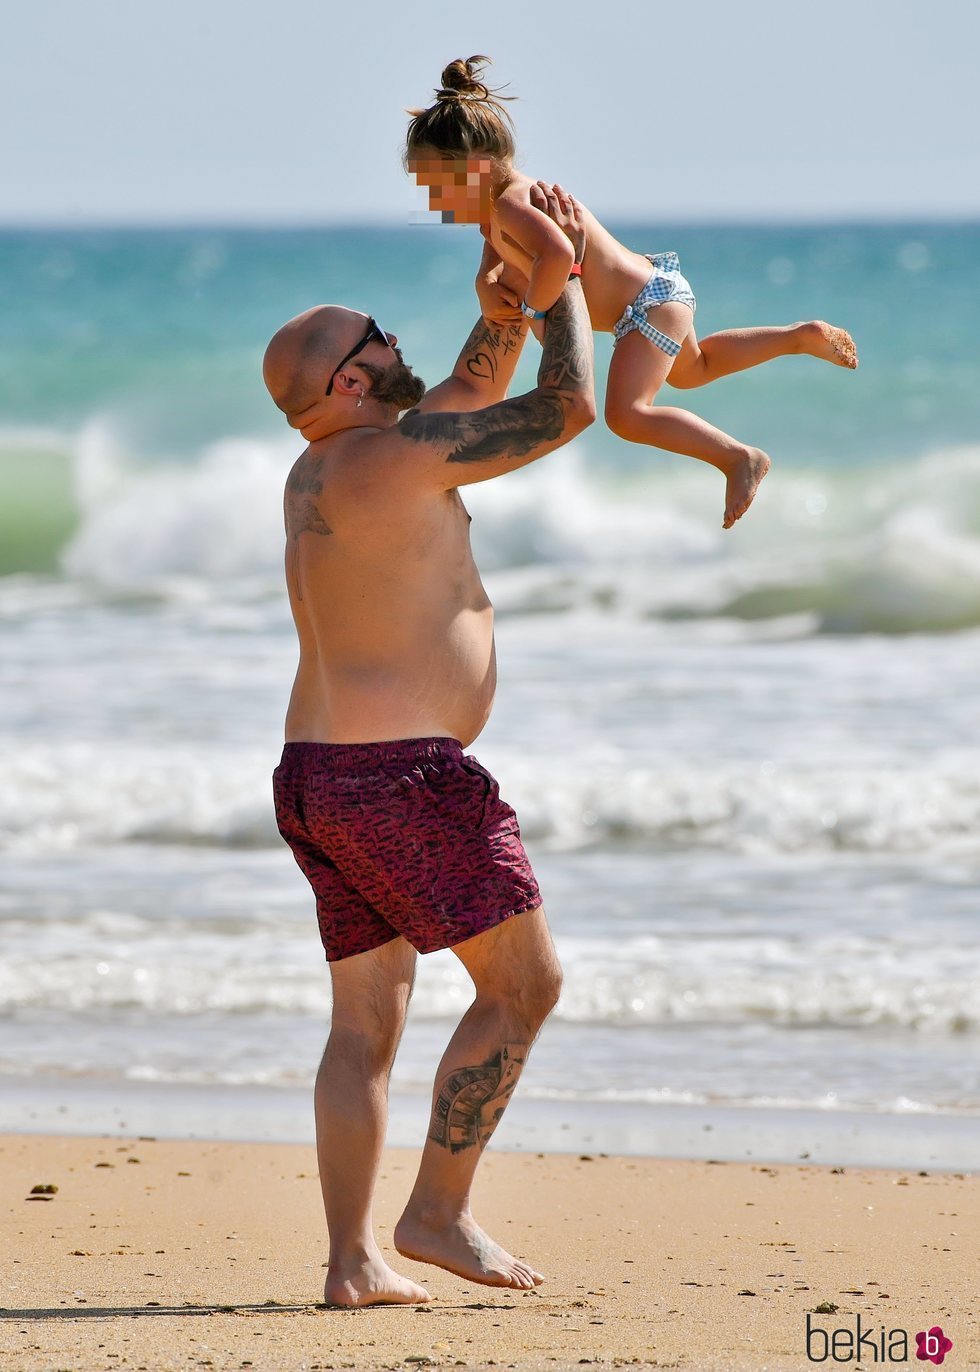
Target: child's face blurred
x,y
459,188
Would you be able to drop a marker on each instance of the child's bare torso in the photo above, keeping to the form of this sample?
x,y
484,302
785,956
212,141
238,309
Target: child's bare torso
x,y
612,275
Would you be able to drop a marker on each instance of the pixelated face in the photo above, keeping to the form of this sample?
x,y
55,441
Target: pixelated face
x,y
459,188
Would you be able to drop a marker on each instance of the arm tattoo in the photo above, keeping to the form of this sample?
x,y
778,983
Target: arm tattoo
x,y
485,345
566,362
471,1100
509,429
513,428
480,350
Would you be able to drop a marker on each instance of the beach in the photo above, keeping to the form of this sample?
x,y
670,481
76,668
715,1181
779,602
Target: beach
x,y
157,1254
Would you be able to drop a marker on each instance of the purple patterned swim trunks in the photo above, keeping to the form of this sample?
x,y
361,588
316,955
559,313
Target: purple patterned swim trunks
x,y
404,838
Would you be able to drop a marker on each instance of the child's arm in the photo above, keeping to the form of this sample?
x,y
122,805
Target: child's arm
x,y
552,255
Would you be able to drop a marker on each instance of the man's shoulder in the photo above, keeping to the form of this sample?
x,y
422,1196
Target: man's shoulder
x,y
370,467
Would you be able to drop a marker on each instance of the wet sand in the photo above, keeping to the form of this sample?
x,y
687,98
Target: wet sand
x,y
164,1255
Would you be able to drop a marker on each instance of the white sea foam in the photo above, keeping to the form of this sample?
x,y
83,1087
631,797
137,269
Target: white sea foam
x,y
884,548
73,796
856,982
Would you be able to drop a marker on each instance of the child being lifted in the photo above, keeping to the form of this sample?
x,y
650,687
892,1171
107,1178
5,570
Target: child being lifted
x,y
462,149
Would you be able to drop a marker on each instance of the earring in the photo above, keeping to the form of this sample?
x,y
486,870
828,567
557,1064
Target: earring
x,y
360,400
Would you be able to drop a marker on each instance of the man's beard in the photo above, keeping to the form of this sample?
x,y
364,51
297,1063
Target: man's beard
x,y
396,385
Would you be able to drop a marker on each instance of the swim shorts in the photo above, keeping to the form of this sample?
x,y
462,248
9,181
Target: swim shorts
x,y
404,838
665,283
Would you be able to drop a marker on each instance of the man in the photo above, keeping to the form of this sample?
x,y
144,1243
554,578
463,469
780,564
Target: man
x,y
404,838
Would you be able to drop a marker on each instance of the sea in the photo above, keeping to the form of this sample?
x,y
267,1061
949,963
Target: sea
x,y
746,763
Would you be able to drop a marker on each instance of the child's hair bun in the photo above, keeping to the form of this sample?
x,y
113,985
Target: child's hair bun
x,y
465,119
460,80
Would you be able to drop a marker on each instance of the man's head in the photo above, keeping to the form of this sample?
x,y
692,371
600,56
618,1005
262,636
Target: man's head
x,y
325,366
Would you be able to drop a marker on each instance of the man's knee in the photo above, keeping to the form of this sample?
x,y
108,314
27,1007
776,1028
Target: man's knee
x,y
528,993
368,1039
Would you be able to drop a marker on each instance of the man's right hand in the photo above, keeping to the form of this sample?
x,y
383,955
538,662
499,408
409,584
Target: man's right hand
x,y
564,210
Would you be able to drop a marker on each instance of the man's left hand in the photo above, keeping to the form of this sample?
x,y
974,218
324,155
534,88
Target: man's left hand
x,y
564,209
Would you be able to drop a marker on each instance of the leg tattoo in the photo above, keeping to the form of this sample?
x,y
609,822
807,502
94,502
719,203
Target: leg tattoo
x,y
471,1100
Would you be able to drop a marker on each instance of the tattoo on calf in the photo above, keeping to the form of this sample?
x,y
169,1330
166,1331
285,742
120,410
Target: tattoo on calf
x,y
471,1100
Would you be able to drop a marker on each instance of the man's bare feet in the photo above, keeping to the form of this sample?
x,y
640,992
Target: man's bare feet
x,y
462,1247
825,340
743,482
371,1282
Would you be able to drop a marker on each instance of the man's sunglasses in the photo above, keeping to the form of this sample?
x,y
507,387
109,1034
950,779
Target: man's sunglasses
x,y
373,332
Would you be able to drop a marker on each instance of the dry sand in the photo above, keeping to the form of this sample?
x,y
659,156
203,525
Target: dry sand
x,y
166,1255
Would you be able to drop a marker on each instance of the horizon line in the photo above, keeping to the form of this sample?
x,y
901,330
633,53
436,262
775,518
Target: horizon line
x,y
851,219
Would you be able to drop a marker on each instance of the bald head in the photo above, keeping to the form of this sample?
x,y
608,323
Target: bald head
x,y
303,353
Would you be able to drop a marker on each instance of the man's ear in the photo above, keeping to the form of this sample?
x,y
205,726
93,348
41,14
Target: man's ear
x,y
347,385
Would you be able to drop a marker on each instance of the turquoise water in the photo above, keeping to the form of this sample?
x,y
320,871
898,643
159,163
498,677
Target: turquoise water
x,y
166,329
746,764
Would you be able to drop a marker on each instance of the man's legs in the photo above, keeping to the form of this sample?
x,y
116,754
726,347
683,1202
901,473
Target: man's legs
x,y
370,1000
517,978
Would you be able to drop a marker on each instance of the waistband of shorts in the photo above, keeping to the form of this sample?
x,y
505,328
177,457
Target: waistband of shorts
x,y
354,756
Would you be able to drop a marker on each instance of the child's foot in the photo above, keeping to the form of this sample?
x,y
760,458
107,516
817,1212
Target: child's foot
x,y
743,482
826,341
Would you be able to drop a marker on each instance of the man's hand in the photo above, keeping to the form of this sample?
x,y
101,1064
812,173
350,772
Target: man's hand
x,y
564,210
498,304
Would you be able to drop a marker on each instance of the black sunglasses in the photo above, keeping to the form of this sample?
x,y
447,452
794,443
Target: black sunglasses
x,y
373,332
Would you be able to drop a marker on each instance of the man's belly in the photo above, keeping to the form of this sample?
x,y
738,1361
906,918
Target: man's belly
x,y
444,689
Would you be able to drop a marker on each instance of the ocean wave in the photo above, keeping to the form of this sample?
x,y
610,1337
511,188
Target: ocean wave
x,y
886,549
75,796
823,981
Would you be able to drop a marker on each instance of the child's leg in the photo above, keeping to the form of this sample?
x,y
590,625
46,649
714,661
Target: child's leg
x,y
734,350
636,373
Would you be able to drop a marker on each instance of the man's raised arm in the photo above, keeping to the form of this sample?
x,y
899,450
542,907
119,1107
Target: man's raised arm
x,y
460,449
485,366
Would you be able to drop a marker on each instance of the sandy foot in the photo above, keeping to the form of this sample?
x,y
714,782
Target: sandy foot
x,y
743,482
371,1283
462,1247
826,341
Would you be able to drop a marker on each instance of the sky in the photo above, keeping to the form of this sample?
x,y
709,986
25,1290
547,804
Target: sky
x,y
211,111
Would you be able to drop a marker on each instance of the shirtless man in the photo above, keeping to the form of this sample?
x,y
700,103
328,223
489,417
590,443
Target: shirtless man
x,y
404,837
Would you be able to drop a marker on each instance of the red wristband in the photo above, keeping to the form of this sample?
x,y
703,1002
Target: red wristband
x,y
575,271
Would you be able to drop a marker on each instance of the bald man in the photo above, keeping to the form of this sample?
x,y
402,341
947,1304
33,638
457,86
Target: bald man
x,y
403,836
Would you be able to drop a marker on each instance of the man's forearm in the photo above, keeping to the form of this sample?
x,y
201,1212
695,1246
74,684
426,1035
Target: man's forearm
x,y
489,358
567,350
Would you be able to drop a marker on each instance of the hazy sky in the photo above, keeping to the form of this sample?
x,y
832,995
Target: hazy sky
x,y
292,111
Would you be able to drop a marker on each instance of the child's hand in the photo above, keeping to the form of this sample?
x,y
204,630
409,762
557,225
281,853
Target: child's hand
x,y
497,302
564,210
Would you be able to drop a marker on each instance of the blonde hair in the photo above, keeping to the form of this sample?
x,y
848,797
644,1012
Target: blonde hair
x,y
466,119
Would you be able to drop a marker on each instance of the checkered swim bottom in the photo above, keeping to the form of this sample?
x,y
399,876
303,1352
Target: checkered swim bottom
x,y
666,283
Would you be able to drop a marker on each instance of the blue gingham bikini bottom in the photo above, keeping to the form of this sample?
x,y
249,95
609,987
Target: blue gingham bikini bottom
x,y
666,283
